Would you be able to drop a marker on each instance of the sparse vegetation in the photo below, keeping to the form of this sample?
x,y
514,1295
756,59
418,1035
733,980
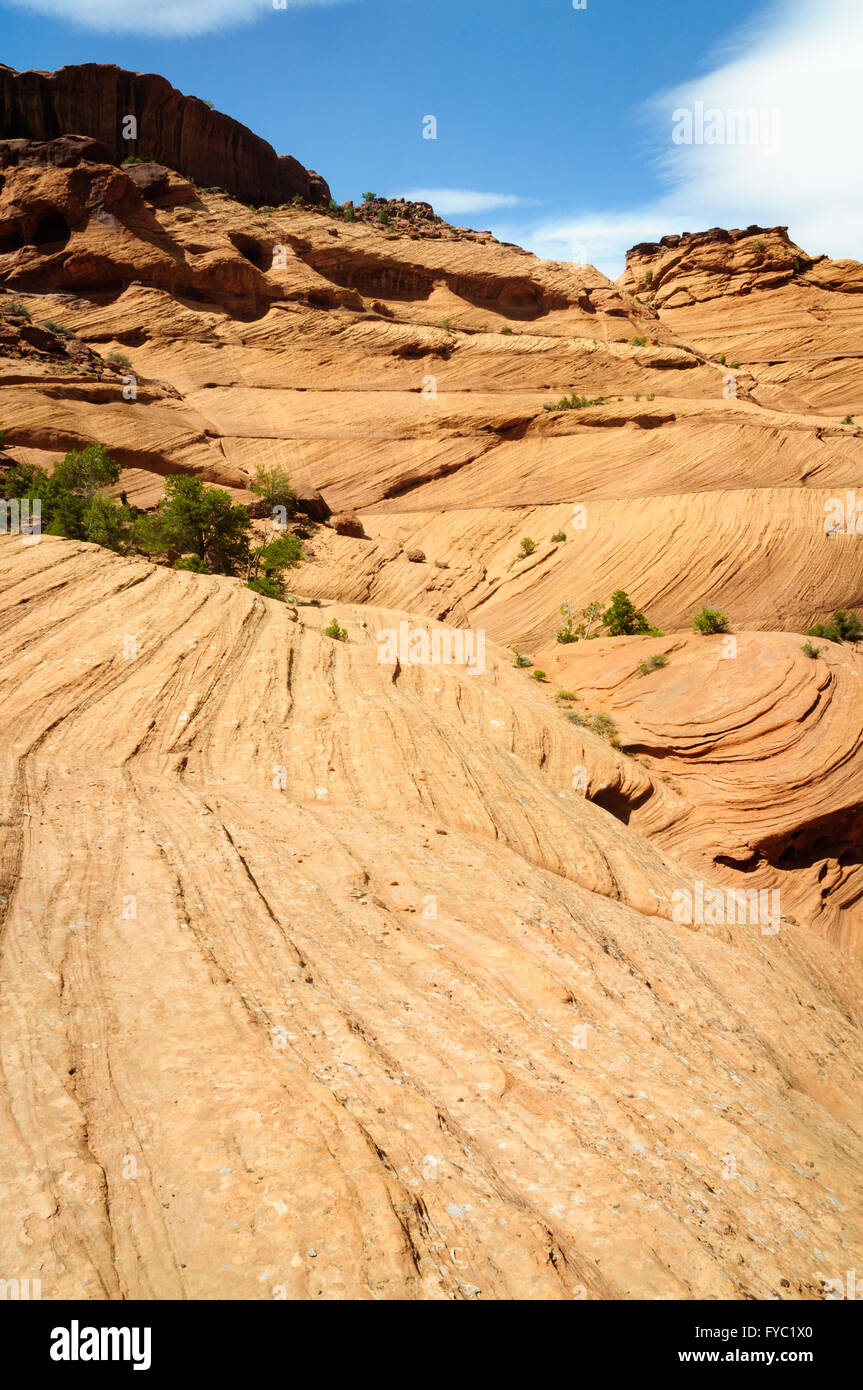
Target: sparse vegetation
x,y
810,649
639,342
566,695
559,537
537,674
520,659
574,402
847,420
845,627
273,486
506,328
133,159
18,308
709,620
338,634
605,727
528,546
58,329
622,619
652,663
119,359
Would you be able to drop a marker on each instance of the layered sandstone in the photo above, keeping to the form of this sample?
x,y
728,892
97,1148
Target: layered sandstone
x,y
184,132
250,872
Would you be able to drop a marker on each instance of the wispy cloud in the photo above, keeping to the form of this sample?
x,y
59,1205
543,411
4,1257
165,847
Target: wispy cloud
x,y
799,70
170,18
456,201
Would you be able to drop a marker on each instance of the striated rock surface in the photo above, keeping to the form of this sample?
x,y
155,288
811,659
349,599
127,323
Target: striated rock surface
x,y
308,947
304,952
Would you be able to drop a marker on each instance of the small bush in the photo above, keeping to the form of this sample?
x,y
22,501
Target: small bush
x,y
369,197
604,726
58,329
339,634
566,695
537,674
809,649
119,359
559,537
574,402
574,717
648,277
506,328
519,659
15,306
269,588
848,420
622,619
132,159
709,620
639,342
845,627
193,563
652,663
528,546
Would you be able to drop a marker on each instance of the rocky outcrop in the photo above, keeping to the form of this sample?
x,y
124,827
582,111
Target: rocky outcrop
x,y
182,132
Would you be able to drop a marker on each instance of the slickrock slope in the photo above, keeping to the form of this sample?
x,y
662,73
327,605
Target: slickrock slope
x,y
764,745
319,979
325,977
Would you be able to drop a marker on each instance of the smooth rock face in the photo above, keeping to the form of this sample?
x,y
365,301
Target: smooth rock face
x,y
206,146
323,946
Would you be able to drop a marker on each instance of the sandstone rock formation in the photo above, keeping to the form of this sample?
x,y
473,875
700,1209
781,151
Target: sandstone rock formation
x,y
184,132
307,946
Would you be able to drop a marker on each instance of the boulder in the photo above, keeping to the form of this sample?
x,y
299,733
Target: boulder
x,y
416,557
312,504
348,524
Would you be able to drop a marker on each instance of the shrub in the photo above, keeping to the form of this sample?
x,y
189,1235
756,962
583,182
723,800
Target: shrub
x,y
648,277
797,265
652,663
604,726
273,485
622,618
506,328
191,562
845,627
369,197
810,649
559,537
566,695
199,519
119,359
848,420
527,547
639,342
339,634
520,659
708,620
574,717
133,159
17,307
537,674
574,402
58,329
268,588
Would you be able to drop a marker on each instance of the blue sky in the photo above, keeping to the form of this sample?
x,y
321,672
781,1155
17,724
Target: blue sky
x,y
553,124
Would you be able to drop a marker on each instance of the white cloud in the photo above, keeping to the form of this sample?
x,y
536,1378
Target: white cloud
x,y
802,62
455,201
173,18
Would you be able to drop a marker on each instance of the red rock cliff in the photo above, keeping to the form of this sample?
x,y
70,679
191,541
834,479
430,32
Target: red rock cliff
x,y
183,132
